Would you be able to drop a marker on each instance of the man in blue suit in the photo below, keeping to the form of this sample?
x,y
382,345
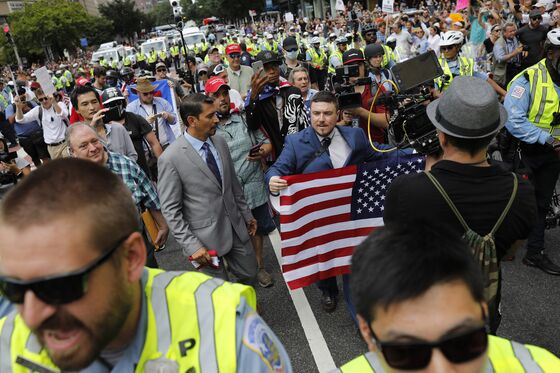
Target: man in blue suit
x,y
323,146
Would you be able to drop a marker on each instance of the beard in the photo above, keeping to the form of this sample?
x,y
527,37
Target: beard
x,y
98,333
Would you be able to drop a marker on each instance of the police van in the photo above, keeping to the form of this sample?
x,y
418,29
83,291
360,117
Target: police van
x,y
157,44
193,37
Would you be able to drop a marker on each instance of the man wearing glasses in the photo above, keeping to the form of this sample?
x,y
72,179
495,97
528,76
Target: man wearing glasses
x,y
53,119
239,76
156,110
432,273
161,74
533,36
87,303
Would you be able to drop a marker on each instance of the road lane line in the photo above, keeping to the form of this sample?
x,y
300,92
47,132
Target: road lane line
x,y
315,339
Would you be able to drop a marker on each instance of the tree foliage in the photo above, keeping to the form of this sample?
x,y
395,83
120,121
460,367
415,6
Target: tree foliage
x,y
161,14
224,9
56,23
124,16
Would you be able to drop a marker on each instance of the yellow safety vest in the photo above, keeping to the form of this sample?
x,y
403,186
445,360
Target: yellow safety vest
x,y
140,57
205,46
544,101
184,51
505,356
69,78
191,320
332,69
103,63
162,55
388,56
174,51
152,58
58,83
114,64
127,61
317,59
466,68
271,47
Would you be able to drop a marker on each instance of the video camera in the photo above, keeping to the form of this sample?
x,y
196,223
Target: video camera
x,y
409,124
344,90
187,75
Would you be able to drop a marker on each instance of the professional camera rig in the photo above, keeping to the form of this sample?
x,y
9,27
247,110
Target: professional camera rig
x,y
344,89
409,124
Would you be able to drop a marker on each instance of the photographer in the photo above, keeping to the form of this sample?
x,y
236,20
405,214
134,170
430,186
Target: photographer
x,y
507,54
367,90
12,167
88,104
29,135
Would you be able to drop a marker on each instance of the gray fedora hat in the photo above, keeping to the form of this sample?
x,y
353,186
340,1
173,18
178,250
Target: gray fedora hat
x,y
469,109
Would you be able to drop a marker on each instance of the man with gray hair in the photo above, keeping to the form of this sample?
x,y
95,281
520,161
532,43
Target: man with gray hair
x,y
83,142
507,51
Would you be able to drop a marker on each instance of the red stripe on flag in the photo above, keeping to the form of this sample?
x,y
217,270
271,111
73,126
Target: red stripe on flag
x,y
311,279
350,170
320,258
284,219
316,241
313,191
327,220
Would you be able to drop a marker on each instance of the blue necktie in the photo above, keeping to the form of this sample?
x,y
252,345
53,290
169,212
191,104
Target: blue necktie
x,y
211,162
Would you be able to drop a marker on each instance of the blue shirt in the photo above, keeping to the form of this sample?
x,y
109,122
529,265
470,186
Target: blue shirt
x,y
23,129
197,145
517,105
500,50
161,106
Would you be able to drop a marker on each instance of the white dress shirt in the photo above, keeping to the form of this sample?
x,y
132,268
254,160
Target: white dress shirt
x,y
339,150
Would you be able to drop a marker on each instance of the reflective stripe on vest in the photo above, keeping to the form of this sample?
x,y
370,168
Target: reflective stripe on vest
x,y
317,59
205,311
466,66
5,343
544,100
523,354
331,68
387,56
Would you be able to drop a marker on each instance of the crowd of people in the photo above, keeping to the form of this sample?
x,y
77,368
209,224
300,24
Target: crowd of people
x,y
196,143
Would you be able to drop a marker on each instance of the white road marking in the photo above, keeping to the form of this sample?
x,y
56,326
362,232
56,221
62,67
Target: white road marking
x,y
315,339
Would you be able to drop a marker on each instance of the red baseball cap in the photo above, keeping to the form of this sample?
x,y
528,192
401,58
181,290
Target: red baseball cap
x,y
35,85
214,84
81,81
233,48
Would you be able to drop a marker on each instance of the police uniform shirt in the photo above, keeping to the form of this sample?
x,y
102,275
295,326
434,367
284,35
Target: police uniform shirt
x,y
454,67
259,349
339,151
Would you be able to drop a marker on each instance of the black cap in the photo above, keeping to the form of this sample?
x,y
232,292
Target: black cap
x,y
268,57
351,56
289,43
111,94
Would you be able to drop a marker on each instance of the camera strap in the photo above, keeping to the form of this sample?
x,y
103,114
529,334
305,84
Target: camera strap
x,y
154,109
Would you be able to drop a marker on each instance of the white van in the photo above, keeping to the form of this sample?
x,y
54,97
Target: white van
x,y
157,44
193,36
116,54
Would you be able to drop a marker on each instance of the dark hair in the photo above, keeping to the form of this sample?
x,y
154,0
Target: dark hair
x,y
325,96
471,146
191,106
396,264
99,71
243,47
82,90
99,198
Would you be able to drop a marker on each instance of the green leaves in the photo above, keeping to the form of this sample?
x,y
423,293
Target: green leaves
x,y
125,18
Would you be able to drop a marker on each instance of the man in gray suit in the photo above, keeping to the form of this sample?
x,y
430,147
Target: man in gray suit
x,y
201,197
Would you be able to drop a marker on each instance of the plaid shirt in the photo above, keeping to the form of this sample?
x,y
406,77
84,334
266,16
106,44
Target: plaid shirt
x,y
140,186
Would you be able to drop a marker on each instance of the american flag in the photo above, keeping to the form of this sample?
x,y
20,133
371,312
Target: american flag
x,y
324,215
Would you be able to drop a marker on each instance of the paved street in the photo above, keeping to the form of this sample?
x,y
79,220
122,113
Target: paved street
x,y
530,307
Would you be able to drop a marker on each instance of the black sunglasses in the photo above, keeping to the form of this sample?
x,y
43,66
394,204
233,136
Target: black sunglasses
x,y
413,356
537,18
235,55
161,70
57,289
42,99
446,47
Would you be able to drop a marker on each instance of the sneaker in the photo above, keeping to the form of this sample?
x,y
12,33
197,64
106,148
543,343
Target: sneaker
x,y
543,262
264,278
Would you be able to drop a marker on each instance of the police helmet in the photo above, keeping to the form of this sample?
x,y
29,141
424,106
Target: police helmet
x,y
373,50
341,40
452,38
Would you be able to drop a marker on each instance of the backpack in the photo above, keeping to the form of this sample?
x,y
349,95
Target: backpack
x,y
483,247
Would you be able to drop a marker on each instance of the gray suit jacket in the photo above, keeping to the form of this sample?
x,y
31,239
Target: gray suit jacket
x,y
199,212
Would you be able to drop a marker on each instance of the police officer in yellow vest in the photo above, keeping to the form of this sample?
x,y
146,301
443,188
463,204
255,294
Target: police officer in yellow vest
x,y
88,304
427,312
152,59
174,50
335,59
127,62
141,60
454,65
319,61
270,44
533,103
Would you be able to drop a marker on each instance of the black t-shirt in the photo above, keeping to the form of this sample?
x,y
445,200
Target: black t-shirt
x,y
479,193
533,38
488,45
285,70
137,128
